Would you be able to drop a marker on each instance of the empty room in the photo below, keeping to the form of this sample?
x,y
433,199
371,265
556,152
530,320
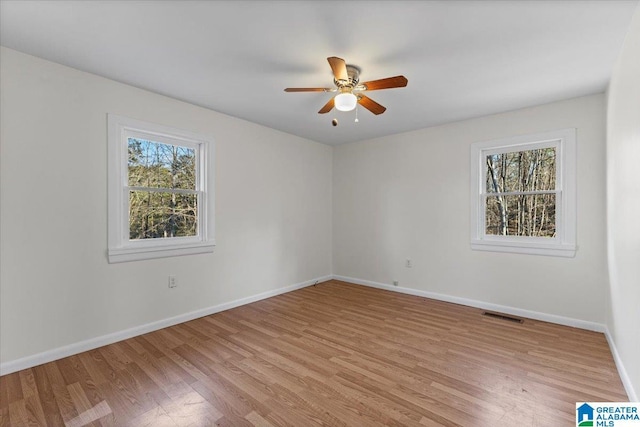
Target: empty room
x,y
320,213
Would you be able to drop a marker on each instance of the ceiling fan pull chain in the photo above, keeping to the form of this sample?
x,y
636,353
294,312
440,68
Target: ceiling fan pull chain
x,y
357,114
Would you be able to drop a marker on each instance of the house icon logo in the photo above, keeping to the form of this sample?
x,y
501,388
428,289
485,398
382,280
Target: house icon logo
x,y
584,416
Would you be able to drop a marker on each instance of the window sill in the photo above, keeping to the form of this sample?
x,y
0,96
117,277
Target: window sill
x,y
557,250
152,252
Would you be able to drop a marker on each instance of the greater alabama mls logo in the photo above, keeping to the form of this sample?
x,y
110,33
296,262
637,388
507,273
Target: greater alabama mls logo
x,y
585,415
607,414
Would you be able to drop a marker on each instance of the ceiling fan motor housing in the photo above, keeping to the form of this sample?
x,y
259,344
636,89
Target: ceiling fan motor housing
x,y
354,78
347,81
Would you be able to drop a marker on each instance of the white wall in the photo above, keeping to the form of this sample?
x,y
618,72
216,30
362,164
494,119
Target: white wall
x,y
397,197
623,204
273,207
407,196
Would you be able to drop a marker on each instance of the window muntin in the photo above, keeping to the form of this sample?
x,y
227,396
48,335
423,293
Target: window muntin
x,y
162,186
523,196
159,205
520,194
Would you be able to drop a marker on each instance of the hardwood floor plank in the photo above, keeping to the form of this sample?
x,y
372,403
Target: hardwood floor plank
x,y
91,361
28,383
18,413
4,417
46,397
270,374
147,385
257,391
290,409
334,354
152,373
222,321
582,385
233,421
156,417
4,392
442,411
147,346
12,387
225,398
124,394
349,410
257,421
59,387
232,350
122,404
35,413
396,414
294,367
87,412
192,409
238,392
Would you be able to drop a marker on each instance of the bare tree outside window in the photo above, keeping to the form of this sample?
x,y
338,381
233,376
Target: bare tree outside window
x,y
163,201
160,191
521,193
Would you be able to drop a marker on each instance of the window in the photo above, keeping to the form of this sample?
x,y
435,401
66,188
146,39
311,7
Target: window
x,y
160,191
523,194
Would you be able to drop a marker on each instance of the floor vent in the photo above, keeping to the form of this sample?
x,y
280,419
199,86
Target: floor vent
x,y
502,316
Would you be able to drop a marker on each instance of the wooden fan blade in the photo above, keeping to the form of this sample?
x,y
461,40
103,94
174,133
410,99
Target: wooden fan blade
x,y
307,89
388,83
371,105
339,68
327,107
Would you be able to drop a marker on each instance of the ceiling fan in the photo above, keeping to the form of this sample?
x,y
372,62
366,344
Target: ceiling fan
x,y
347,82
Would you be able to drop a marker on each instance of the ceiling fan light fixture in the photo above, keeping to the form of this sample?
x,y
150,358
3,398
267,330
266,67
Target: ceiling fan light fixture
x,y
345,101
346,78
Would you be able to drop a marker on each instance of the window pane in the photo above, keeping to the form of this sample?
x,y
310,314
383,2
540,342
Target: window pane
x,y
162,214
522,215
531,170
156,165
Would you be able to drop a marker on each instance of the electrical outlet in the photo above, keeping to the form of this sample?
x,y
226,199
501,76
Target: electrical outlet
x,y
395,283
409,263
173,282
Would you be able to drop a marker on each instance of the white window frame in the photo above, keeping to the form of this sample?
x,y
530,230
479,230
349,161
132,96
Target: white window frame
x,y
564,243
121,248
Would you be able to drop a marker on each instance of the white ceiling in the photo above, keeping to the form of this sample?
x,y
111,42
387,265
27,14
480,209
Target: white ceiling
x,y
463,59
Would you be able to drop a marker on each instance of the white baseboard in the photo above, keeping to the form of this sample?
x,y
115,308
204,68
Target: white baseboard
x,y
79,347
551,318
624,377
75,348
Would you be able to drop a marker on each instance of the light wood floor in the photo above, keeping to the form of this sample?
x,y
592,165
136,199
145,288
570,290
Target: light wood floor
x,y
334,354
